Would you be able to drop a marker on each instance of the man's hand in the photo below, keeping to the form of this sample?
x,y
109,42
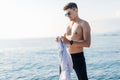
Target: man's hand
x,y
57,39
65,40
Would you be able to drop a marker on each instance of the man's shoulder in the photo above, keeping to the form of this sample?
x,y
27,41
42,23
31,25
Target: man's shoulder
x,y
84,24
82,21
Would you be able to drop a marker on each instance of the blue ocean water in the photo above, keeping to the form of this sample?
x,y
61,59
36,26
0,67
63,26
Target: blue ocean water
x,y
37,59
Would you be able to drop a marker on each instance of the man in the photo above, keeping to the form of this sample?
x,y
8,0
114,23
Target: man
x,y
77,37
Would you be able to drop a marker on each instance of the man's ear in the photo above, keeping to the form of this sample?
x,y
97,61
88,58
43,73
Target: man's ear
x,y
75,9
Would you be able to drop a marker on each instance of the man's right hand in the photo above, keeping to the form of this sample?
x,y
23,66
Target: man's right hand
x,y
57,38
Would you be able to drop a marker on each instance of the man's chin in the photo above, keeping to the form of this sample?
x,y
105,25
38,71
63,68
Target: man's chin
x,y
70,19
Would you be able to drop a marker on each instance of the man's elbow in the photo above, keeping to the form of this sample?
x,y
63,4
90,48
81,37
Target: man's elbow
x,y
88,44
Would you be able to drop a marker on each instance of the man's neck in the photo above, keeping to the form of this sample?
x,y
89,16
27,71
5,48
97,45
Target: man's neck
x,y
76,19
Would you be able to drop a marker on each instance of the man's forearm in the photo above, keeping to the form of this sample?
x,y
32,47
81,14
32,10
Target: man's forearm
x,y
81,43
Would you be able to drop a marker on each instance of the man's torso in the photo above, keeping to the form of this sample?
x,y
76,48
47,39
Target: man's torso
x,y
74,32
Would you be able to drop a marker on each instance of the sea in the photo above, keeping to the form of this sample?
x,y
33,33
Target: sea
x,y
38,59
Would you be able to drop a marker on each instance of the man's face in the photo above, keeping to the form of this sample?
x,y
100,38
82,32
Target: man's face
x,y
71,13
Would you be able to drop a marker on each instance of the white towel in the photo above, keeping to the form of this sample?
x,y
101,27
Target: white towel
x,y
65,62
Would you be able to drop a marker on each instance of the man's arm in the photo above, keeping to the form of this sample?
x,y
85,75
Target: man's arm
x,y
86,37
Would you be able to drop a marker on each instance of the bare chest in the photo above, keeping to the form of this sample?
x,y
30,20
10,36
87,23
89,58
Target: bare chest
x,y
75,32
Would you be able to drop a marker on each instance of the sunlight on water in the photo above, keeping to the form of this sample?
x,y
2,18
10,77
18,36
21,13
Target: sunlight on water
x,y
37,59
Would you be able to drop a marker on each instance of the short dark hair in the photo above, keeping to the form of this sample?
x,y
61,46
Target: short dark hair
x,y
70,6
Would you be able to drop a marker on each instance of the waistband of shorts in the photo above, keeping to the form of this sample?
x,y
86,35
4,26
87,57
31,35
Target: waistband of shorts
x,y
76,54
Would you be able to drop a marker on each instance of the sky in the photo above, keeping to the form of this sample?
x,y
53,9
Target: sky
x,y
45,18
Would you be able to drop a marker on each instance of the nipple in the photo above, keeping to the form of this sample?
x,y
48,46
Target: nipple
x,y
75,32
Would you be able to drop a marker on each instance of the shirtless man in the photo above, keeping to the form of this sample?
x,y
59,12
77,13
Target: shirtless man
x,y
77,37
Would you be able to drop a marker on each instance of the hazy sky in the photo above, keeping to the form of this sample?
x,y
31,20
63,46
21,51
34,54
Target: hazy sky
x,y
45,18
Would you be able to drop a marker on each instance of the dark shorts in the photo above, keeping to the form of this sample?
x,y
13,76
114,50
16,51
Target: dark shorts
x,y
79,65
